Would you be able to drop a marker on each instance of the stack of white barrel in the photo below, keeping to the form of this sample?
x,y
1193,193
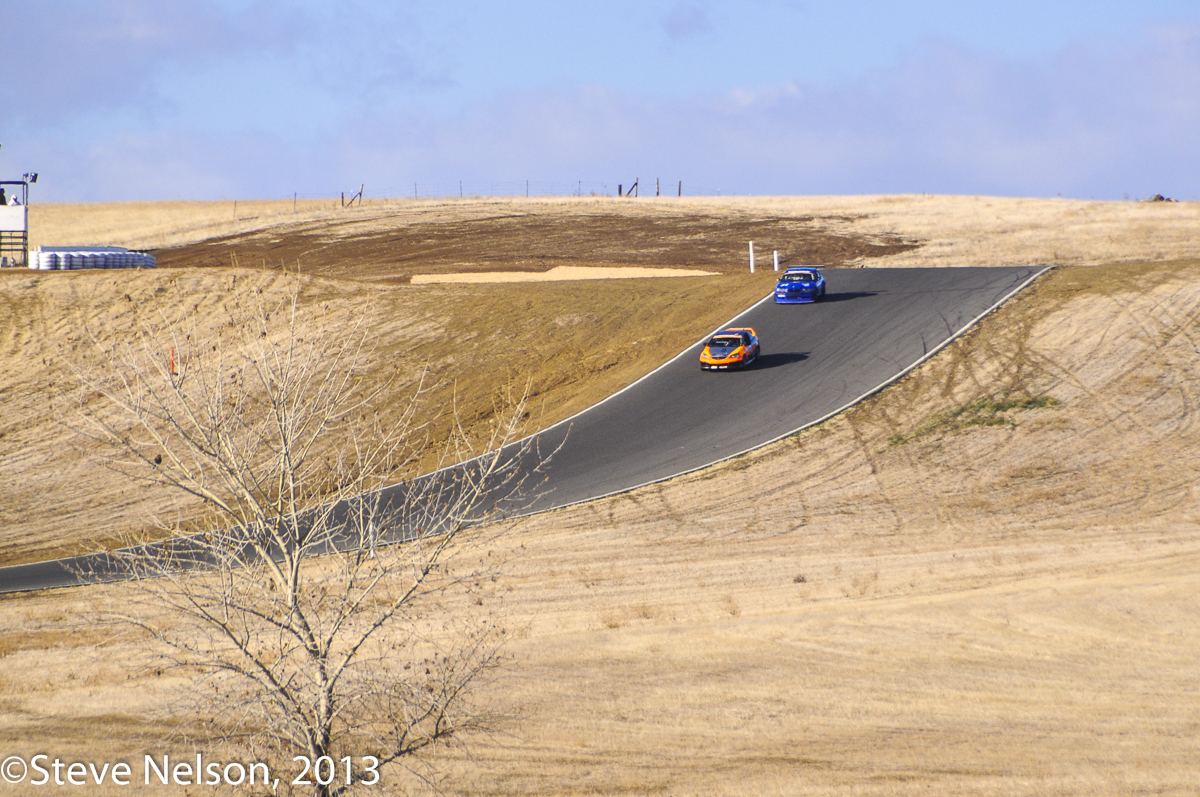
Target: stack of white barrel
x,y
63,258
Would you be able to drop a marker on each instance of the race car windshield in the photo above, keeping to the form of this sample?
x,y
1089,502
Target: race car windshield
x,y
800,276
725,343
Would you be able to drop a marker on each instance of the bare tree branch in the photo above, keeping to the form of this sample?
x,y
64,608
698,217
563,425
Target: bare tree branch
x,y
313,604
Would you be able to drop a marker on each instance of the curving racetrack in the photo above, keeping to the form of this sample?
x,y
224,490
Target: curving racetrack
x,y
872,326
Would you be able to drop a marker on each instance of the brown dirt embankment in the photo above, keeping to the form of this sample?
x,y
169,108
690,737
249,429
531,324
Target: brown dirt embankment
x,y
394,238
534,238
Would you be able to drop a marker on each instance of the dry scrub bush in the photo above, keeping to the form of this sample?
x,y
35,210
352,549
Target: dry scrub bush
x,y
312,610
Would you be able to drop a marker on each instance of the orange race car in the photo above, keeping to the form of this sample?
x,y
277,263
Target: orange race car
x,y
735,347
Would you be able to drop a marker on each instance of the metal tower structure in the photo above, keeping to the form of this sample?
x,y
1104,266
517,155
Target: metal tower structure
x,y
14,221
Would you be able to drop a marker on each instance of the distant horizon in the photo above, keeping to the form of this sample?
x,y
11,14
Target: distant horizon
x,y
473,197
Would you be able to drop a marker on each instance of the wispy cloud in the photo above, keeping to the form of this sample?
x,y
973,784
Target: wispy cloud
x,y
1089,121
686,20
1084,123
71,56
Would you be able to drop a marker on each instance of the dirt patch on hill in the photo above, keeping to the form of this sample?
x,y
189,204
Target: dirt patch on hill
x,y
950,230
534,239
559,274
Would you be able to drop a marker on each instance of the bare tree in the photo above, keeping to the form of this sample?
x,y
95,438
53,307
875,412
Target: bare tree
x,y
314,606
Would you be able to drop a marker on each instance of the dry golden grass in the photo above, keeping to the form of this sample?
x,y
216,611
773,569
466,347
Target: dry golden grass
x,y
154,225
59,500
1005,609
992,231
897,602
982,610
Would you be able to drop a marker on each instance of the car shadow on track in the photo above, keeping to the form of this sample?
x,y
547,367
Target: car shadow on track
x,y
782,358
847,296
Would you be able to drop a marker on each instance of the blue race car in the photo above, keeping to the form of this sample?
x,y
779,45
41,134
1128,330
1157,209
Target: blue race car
x,y
800,285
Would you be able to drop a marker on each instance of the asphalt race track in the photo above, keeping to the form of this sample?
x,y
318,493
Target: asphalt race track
x,y
872,325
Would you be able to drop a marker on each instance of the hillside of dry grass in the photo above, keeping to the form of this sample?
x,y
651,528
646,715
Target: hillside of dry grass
x,y
391,239
60,499
982,581
466,344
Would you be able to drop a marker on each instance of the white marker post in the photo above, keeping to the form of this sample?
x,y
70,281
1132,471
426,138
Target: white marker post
x,y
776,259
752,257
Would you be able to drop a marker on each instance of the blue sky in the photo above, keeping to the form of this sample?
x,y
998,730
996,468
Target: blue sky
x,y
207,99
